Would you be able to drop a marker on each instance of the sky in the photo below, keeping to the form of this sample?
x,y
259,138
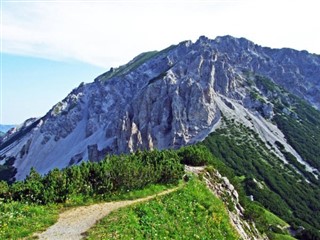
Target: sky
x,y
49,47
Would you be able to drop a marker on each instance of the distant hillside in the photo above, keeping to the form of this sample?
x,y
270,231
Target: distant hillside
x,y
4,128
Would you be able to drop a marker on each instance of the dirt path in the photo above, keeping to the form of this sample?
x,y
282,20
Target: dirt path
x,y
76,221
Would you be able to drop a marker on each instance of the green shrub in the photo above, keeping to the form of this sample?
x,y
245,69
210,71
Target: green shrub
x,y
114,174
195,155
4,190
283,191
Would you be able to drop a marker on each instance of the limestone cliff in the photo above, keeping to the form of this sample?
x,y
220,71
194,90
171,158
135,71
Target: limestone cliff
x,y
164,99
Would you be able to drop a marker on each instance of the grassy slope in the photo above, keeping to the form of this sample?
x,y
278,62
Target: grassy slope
x,y
192,210
274,219
274,227
190,213
284,192
19,220
193,205
301,126
133,64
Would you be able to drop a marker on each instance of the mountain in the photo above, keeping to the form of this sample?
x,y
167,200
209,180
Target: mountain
x,y
255,108
163,100
4,128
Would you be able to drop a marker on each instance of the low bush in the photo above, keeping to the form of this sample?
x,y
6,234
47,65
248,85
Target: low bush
x,y
113,174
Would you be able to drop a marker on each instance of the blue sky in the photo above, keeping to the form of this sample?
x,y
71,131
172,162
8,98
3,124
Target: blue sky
x,y
31,86
48,47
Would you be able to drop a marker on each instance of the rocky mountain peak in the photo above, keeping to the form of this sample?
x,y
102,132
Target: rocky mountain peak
x,y
165,99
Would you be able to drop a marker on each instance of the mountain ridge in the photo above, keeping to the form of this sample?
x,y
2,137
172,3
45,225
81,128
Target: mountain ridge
x,y
255,108
146,74
120,112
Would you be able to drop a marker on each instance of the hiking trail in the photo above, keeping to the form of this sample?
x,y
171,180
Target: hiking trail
x,y
72,224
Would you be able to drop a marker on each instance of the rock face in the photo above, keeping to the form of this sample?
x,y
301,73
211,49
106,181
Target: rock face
x,y
161,100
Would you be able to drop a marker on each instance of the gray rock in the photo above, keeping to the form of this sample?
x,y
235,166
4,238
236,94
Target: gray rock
x,y
268,110
168,101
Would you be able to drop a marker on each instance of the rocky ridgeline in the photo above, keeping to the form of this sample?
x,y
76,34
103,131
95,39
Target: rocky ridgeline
x,y
221,187
163,99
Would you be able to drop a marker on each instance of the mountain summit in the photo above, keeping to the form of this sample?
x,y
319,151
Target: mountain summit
x,y
168,99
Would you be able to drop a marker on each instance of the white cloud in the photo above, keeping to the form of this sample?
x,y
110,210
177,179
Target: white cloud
x,y
109,33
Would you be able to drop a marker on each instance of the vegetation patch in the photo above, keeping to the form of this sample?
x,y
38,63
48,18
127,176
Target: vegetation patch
x,y
130,177
190,213
303,134
19,220
112,176
134,63
284,192
300,124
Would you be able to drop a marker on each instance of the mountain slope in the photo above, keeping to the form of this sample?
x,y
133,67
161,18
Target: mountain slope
x,y
255,108
275,184
163,100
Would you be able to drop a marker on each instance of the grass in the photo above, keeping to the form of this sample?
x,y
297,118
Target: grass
x,y
270,224
274,220
141,193
282,237
20,220
191,212
81,200
132,65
